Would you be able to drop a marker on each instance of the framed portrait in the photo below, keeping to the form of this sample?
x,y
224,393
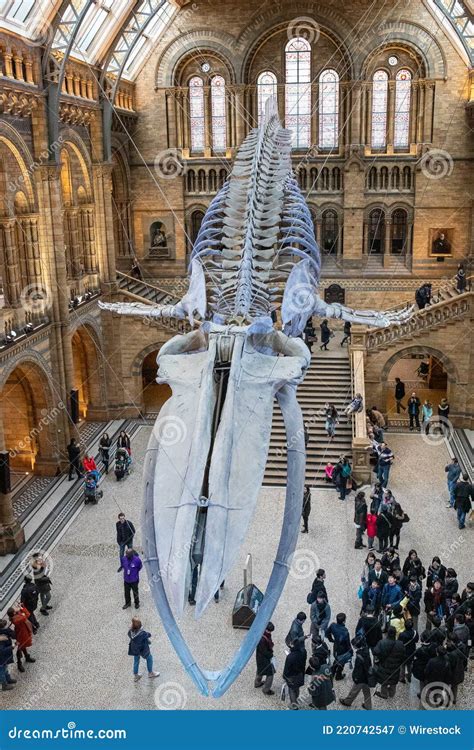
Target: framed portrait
x,y
441,242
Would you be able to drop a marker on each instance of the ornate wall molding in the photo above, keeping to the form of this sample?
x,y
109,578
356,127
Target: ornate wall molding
x,y
219,41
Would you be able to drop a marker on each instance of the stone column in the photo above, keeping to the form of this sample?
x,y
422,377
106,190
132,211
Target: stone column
x,y
104,224
355,113
360,441
207,123
387,242
171,123
428,113
74,243
13,282
12,536
33,259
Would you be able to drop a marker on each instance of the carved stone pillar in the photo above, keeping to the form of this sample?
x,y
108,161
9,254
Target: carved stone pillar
x,y
12,536
75,249
32,252
88,240
207,123
18,67
387,242
428,112
171,121
8,61
391,116
355,112
12,268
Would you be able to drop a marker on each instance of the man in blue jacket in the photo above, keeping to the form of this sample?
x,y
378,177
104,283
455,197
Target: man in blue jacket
x,y
391,593
131,565
338,634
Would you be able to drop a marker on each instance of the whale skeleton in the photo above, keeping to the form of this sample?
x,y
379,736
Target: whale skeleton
x,y
206,456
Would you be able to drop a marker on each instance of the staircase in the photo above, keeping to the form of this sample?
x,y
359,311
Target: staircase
x,y
144,291
141,291
327,379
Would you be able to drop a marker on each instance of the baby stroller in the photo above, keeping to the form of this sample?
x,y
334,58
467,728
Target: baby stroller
x,y
122,463
92,494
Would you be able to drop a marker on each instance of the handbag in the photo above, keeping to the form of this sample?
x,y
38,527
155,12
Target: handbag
x,y
349,483
360,592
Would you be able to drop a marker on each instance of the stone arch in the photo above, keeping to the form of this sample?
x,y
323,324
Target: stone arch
x,y
137,362
446,362
329,20
218,42
409,35
22,159
30,414
88,374
71,141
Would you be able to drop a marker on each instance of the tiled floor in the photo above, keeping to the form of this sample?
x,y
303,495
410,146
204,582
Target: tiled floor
x,y
81,649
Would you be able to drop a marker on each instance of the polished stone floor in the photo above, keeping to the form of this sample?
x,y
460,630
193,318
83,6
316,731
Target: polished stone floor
x,y
81,649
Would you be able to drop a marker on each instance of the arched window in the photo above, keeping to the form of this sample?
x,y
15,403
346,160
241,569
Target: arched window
x,y
402,109
379,109
384,178
336,178
376,233
399,231
328,109
196,113
372,179
406,178
218,114
266,88
298,91
395,178
329,231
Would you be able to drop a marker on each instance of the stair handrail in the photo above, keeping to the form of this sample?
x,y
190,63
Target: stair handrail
x,y
132,280
450,284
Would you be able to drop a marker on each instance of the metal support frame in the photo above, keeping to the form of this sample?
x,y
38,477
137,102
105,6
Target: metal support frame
x,y
116,62
459,22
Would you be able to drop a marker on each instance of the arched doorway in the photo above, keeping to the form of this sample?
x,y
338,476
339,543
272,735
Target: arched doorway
x,y
86,376
422,372
399,232
376,232
29,418
154,394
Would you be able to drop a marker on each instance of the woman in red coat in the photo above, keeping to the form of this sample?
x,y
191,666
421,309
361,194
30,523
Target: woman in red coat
x,y
19,618
371,522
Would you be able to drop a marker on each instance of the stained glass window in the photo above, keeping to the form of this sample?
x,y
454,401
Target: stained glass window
x,y
266,87
379,109
298,91
196,113
328,109
402,109
218,114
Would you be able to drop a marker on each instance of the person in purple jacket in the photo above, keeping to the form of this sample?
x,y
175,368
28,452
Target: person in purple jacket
x,y
131,565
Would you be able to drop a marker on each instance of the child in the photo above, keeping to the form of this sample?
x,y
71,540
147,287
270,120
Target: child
x,y
139,646
371,523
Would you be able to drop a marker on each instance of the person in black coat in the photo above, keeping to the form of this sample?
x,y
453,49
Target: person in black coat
x,y
29,596
425,651
264,658
360,675
347,332
378,574
435,603
409,637
125,533
360,519
413,566
320,688
42,582
104,450
293,673
438,670
319,649
306,509
463,499
123,441
414,600
325,335
369,627
457,653
399,394
383,530
389,655
436,572
317,586
7,636
338,634
74,456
